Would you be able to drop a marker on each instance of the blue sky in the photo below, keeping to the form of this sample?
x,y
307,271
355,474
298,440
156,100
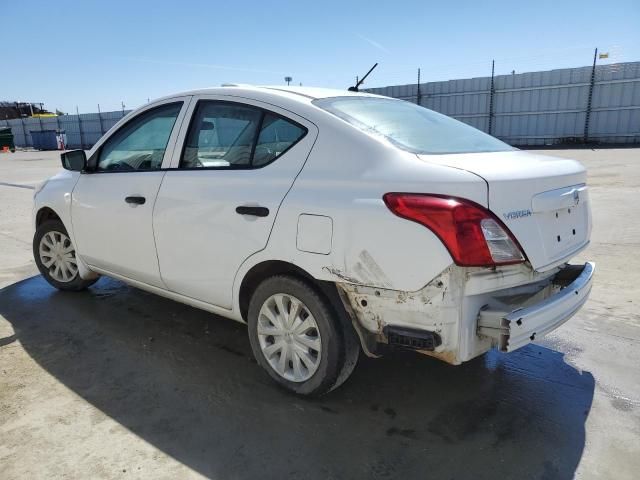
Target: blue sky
x,y
84,53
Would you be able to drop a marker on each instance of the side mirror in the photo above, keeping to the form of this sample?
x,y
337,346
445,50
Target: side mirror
x,y
74,160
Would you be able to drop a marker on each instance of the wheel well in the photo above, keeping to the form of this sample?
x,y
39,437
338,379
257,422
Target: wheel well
x,y
44,214
327,289
267,269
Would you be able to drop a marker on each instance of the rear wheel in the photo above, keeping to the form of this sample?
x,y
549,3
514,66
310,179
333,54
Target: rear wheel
x,y
55,257
297,337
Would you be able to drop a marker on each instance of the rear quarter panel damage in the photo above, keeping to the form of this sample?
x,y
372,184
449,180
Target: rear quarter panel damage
x,y
433,308
449,305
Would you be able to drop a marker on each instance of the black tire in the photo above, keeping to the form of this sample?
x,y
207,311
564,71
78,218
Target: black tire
x,y
74,284
340,347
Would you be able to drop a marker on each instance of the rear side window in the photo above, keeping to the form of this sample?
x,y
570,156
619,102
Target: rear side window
x,y
140,144
231,135
276,136
221,135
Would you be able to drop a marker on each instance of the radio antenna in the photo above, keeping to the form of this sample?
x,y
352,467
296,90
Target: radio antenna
x,y
361,81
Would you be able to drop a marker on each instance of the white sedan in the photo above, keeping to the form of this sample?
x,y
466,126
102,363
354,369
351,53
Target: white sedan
x,y
330,222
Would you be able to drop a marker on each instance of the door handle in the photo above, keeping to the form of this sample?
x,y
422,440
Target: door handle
x,y
135,200
255,211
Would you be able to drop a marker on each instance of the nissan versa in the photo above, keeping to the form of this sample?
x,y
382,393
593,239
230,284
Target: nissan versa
x,y
329,221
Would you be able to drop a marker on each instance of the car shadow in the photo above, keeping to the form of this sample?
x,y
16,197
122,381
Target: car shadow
x,y
185,381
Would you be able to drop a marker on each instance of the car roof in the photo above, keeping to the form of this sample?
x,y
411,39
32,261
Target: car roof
x,y
301,94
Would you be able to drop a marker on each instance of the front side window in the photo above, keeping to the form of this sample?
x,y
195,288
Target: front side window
x,y
232,135
411,127
141,143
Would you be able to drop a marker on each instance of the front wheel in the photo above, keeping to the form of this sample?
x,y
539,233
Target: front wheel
x,y
297,337
55,257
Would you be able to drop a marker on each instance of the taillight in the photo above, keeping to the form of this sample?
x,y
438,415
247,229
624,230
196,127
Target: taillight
x,y
472,234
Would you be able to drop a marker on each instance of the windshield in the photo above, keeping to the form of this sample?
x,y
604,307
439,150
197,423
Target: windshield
x,y
411,127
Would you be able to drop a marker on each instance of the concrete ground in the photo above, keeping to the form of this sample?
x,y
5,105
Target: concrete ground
x,y
118,383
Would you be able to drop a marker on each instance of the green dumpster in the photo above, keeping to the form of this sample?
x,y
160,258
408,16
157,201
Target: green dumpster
x,y
6,139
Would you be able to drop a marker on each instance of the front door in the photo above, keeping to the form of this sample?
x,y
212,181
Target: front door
x,y
219,203
112,203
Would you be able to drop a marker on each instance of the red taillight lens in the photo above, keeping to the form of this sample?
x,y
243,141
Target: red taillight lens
x,y
473,235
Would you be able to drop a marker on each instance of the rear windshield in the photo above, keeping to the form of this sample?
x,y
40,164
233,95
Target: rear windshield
x,y
411,127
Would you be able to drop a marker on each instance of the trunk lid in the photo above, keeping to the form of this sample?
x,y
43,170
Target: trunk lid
x,y
544,201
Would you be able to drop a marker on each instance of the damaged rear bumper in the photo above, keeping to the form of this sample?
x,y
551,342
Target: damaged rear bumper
x,y
464,312
514,329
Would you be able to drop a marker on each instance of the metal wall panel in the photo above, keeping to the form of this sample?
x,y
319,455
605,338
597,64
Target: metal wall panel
x,y
539,108
83,130
534,108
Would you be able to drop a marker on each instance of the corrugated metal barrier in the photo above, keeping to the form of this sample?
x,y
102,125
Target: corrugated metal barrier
x,y
540,108
537,108
82,130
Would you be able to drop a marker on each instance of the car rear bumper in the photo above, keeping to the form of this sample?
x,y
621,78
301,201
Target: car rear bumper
x,y
514,329
467,311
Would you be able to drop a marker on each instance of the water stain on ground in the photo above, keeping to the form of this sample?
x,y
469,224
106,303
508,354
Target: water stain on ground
x,y
390,412
403,432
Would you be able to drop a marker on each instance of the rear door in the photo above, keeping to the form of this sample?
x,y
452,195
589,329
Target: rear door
x,y
234,163
112,203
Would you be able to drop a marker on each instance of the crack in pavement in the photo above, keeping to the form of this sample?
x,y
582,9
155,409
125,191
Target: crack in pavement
x,y
17,185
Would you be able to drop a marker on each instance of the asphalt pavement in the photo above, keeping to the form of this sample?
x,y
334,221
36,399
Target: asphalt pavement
x,y
115,382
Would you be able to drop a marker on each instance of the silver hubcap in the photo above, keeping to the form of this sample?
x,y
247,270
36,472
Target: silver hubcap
x,y
58,256
289,337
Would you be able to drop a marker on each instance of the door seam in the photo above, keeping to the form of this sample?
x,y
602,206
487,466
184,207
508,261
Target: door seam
x,y
275,219
153,231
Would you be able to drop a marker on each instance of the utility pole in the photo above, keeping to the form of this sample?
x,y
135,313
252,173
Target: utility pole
x,y
100,120
80,128
419,95
587,117
491,94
